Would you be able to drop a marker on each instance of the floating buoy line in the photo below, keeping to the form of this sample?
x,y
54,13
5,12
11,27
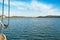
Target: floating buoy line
x,y
3,36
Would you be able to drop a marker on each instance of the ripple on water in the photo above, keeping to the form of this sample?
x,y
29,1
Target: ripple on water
x,y
33,29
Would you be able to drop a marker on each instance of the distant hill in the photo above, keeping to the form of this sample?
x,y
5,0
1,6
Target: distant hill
x,y
13,16
49,16
17,17
3,16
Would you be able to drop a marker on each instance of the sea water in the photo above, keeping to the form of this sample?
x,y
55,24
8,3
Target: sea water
x,y
33,29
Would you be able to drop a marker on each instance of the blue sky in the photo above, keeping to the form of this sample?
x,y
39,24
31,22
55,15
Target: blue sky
x,y
32,7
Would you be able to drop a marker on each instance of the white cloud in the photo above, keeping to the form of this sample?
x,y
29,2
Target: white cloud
x,y
54,12
36,8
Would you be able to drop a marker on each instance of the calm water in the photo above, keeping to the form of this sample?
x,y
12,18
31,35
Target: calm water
x,y
33,29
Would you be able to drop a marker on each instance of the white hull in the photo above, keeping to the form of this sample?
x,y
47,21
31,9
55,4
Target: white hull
x,y
4,36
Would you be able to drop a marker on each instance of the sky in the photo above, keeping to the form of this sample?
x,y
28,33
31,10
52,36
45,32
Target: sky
x,y
31,7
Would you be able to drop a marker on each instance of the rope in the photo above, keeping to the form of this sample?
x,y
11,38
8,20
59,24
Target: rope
x,y
2,16
2,11
8,11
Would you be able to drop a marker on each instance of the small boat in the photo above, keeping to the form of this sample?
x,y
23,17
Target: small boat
x,y
2,37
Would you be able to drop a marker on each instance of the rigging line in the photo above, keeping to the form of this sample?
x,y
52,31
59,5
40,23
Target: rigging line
x,y
2,11
2,15
8,11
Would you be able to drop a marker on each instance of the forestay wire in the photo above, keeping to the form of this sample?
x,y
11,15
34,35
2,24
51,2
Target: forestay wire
x,y
8,11
2,11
